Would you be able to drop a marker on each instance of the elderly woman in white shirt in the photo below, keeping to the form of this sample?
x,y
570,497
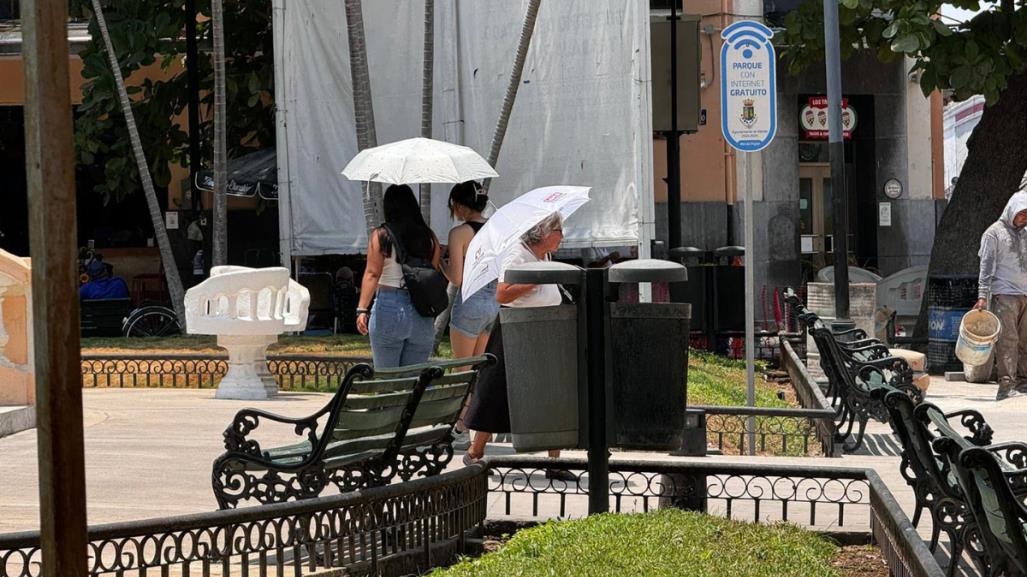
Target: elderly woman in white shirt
x,y
489,411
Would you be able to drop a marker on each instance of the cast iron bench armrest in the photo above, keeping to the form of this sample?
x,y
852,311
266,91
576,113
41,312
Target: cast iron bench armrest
x,y
247,420
974,422
1014,452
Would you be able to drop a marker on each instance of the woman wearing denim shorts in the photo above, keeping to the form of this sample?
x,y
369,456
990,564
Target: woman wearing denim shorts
x,y
400,336
471,320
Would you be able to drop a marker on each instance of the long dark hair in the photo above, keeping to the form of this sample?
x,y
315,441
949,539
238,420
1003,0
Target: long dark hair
x,y
469,194
403,215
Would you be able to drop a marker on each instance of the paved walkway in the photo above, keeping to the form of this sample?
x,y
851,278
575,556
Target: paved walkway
x,y
149,451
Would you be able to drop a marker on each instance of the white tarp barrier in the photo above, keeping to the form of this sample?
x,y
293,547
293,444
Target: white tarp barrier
x,y
582,115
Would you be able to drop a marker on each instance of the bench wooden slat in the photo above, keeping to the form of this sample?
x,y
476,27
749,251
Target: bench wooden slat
x,y
368,402
379,386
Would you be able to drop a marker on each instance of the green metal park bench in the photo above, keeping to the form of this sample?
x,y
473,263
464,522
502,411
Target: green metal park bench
x,y
849,384
993,479
935,487
378,425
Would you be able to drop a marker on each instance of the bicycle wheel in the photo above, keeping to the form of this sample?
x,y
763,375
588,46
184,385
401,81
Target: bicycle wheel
x,y
152,321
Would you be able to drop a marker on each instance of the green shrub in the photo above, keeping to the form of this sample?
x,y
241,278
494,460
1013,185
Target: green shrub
x,y
663,543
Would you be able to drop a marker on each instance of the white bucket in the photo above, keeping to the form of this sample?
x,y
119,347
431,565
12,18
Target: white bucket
x,y
978,332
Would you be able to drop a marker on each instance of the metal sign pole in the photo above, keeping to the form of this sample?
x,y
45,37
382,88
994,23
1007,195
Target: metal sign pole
x,y
750,305
748,105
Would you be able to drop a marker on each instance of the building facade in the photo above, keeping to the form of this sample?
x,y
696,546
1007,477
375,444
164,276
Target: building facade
x,y
893,160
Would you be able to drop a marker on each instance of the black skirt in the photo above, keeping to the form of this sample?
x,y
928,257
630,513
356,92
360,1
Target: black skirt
x,y
490,411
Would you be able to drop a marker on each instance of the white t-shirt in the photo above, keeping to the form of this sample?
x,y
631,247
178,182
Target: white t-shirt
x,y
543,295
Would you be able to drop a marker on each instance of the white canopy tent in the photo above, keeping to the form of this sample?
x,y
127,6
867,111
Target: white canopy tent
x,y
582,115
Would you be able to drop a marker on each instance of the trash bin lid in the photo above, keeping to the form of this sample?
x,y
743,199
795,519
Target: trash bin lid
x,y
544,273
683,252
729,251
647,270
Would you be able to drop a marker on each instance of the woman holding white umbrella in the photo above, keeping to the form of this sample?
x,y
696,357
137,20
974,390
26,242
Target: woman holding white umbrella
x,y
489,411
400,335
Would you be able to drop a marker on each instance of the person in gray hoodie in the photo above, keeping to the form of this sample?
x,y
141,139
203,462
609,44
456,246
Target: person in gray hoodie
x,y
1003,278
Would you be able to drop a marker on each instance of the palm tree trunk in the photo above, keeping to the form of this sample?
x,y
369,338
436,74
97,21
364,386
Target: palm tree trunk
x,y
527,30
163,243
426,95
362,106
220,220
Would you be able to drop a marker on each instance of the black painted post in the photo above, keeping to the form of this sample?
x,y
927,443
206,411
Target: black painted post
x,y
836,149
192,65
595,291
673,141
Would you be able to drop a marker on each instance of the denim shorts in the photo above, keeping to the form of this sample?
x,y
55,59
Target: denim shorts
x,y
475,315
400,336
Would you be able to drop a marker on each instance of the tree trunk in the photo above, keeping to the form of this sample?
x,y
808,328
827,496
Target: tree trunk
x,y
994,169
426,96
363,107
527,30
164,244
220,220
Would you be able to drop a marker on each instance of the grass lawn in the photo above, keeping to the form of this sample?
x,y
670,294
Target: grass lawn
x,y
352,345
668,543
712,380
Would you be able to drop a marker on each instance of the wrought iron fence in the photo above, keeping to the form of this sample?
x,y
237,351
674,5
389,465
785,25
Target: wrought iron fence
x,y
818,498
399,529
413,526
319,372
770,431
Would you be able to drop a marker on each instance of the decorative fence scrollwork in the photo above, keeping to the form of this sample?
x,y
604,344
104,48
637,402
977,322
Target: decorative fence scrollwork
x,y
317,372
819,498
413,526
399,529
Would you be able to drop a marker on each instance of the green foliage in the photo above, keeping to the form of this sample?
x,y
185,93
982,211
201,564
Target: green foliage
x,y
974,57
720,381
663,543
149,33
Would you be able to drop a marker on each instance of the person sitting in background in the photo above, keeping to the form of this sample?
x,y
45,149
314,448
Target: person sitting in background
x,y
101,283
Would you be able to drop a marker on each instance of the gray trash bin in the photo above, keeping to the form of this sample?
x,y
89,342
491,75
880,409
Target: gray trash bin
x,y
649,353
541,350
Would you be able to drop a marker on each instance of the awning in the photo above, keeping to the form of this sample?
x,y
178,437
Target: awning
x,y
249,175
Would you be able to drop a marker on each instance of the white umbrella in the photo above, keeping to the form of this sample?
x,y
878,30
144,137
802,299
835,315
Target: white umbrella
x,y
417,160
504,229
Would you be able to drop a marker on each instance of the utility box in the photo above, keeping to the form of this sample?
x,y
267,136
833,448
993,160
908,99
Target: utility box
x,y
688,70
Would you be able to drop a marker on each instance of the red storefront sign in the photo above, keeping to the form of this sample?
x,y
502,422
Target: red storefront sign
x,y
813,119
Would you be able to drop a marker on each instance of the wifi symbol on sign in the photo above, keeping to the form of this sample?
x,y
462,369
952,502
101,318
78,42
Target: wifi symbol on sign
x,y
747,35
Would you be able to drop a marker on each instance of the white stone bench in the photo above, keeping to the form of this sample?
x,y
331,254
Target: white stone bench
x,y
247,308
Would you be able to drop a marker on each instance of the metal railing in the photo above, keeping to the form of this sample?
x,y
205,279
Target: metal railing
x,y
399,529
204,370
828,499
414,526
774,431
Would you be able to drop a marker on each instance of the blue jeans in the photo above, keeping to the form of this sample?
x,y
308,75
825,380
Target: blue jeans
x,y
400,336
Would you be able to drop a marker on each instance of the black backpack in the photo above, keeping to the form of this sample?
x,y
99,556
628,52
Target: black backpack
x,y
426,284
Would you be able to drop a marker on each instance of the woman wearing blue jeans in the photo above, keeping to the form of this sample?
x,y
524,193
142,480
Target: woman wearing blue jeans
x,y
400,336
